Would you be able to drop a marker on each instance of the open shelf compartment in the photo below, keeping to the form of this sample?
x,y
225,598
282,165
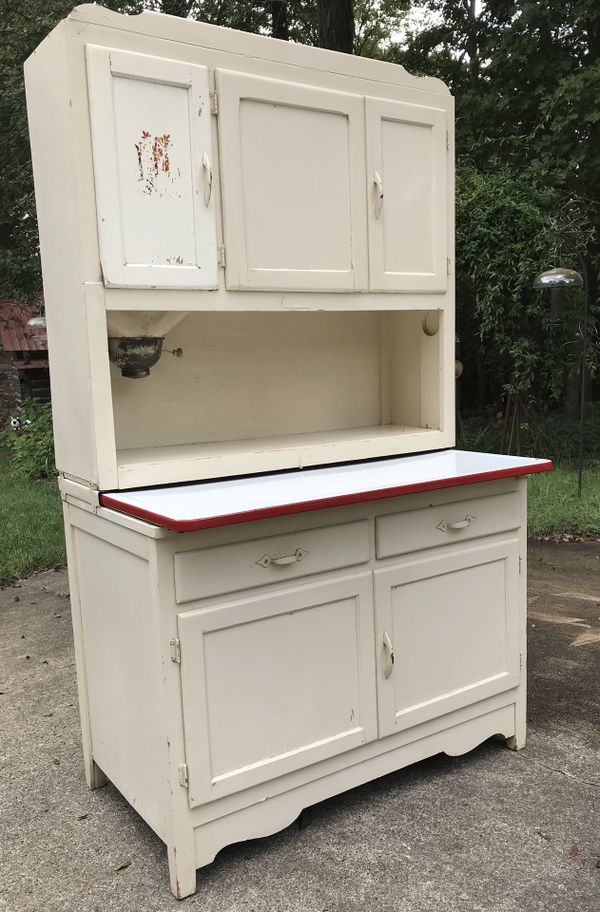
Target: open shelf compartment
x,y
258,392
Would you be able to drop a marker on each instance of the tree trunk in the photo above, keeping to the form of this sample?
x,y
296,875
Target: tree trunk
x,y
336,25
279,20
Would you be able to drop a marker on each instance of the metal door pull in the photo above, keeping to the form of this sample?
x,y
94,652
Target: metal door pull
x,y
388,666
378,184
446,526
207,178
286,560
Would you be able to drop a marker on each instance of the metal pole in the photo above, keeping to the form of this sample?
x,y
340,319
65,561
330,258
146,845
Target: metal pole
x,y
586,294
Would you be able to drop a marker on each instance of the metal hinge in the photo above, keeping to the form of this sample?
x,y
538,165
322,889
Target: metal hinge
x,y
447,265
214,103
175,651
521,661
183,775
221,255
520,564
447,140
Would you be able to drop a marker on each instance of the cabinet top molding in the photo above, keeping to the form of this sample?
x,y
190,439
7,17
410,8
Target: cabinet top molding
x,y
173,28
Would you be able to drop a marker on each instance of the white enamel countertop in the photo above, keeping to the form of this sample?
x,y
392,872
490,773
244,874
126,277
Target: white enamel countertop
x,y
202,505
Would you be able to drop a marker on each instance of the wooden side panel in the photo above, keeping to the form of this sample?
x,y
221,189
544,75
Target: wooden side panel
x,y
452,622
417,371
408,207
57,177
121,656
152,141
277,682
292,163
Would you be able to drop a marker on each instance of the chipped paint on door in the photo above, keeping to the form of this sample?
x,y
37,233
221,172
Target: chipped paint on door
x,y
154,164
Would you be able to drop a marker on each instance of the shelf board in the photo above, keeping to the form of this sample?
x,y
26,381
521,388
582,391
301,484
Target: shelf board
x,y
191,301
194,462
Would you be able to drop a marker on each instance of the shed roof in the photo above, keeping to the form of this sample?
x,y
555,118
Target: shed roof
x,y
15,335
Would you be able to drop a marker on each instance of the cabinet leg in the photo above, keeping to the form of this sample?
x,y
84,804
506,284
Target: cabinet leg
x,y
517,741
94,776
182,872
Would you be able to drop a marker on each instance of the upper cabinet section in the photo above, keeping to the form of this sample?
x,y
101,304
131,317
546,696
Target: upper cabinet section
x,y
408,197
292,170
268,180
152,146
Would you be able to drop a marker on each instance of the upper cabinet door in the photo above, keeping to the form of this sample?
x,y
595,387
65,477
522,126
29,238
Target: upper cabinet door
x,y
152,146
292,170
408,198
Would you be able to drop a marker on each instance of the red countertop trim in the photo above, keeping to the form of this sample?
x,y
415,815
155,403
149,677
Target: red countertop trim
x,y
212,522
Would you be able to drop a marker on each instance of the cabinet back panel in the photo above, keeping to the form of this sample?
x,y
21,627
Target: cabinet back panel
x,y
253,375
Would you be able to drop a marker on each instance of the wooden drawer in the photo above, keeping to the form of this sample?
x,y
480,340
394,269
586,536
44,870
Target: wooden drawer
x,y
228,568
414,530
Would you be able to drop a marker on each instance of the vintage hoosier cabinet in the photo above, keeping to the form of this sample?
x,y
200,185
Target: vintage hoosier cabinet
x,y
285,582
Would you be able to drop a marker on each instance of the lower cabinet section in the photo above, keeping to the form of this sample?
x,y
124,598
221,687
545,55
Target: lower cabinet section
x,y
279,681
231,677
276,682
448,632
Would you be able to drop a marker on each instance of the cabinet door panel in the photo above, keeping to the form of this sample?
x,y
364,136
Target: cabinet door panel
x,y
277,682
408,201
152,146
452,623
292,164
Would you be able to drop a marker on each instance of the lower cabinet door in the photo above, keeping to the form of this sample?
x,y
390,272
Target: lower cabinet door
x,y
447,632
276,682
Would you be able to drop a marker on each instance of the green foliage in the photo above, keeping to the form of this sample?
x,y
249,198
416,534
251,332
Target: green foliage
x,y
550,434
31,523
22,27
555,508
31,451
504,239
526,77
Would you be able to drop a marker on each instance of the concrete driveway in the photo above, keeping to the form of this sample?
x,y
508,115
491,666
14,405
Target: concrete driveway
x,y
492,830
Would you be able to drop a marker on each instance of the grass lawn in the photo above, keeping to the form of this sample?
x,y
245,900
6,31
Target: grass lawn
x,y
31,526
555,507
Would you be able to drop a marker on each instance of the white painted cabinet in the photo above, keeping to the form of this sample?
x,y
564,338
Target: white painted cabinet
x,y
280,217
254,675
292,170
268,665
152,143
407,163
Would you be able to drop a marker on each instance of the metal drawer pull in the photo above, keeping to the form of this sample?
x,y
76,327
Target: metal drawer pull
x,y
388,666
378,184
298,555
446,526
